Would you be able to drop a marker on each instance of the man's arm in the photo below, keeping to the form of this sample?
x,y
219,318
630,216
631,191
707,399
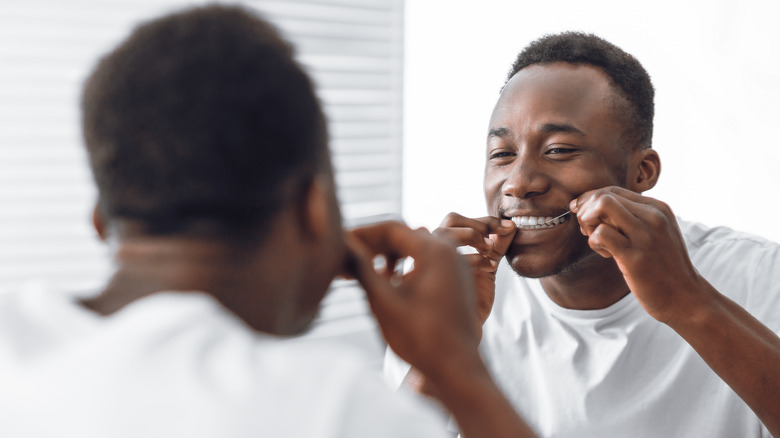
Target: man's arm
x,y
428,318
642,235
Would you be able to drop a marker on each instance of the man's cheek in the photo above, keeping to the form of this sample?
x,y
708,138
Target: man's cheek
x,y
492,198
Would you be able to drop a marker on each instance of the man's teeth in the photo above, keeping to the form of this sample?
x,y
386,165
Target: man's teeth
x,y
536,222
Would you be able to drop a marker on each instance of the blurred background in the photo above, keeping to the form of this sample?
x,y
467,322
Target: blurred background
x,y
408,88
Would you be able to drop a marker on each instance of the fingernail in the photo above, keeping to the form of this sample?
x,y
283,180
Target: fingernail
x,y
573,204
505,223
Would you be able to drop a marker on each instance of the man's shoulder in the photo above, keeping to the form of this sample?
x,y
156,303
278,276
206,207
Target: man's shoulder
x,y
724,249
185,330
36,318
185,355
698,235
152,337
742,266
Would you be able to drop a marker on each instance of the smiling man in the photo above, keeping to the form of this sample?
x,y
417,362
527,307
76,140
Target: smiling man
x,y
605,315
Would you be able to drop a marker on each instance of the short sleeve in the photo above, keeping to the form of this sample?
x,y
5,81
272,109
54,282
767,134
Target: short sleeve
x,y
744,267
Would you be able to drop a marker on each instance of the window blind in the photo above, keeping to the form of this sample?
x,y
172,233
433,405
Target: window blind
x,y
352,48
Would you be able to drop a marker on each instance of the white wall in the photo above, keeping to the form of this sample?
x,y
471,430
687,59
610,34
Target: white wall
x,y
713,63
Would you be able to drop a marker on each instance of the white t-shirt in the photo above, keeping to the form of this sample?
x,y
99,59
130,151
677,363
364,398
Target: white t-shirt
x,y
180,365
617,372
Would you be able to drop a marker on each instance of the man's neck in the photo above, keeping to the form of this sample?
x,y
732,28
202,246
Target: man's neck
x,y
591,283
149,265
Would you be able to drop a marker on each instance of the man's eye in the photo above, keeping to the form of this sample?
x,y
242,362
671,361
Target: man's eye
x,y
501,154
561,150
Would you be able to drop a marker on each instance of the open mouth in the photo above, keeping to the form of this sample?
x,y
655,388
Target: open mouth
x,y
537,222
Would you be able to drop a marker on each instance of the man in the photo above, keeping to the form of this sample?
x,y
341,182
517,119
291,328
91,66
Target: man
x,y
618,320
209,151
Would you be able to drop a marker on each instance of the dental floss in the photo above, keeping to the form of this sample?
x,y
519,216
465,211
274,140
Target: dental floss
x,y
556,217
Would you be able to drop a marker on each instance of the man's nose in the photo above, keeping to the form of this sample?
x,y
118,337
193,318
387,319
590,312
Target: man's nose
x,y
526,179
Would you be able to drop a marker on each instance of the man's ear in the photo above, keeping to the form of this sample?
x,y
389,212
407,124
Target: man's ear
x,y
644,170
99,223
317,215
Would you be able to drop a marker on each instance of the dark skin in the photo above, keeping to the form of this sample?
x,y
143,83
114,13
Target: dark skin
x,y
556,142
551,139
276,285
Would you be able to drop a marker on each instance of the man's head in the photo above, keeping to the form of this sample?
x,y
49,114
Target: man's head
x,y
633,92
574,115
201,121
203,132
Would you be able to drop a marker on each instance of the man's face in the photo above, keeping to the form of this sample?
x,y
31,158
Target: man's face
x,y
554,134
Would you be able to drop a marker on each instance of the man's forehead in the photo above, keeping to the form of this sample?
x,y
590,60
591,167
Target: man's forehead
x,y
558,80
564,92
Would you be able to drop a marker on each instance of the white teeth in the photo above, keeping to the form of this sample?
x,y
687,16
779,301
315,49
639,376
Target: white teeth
x,y
537,222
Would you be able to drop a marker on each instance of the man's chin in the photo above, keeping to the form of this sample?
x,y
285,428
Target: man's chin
x,y
546,267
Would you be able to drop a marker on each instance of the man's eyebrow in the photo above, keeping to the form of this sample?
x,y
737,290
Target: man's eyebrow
x,y
556,127
498,132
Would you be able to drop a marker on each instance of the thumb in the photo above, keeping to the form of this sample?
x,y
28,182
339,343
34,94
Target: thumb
x,y
380,293
504,236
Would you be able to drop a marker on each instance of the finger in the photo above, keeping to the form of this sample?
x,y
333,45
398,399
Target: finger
x,y
502,239
379,291
490,235
484,225
481,263
392,238
608,242
653,214
640,203
501,227
631,195
575,204
648,214
634,197
611,209
396,266
455,220
466,237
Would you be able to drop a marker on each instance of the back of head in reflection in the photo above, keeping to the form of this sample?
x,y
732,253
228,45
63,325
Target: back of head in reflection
x,y
209,150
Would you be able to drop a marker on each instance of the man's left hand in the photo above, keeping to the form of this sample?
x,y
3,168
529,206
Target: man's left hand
x,y
642,235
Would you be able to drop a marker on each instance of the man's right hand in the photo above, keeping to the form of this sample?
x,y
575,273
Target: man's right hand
x,y
490,237
427,316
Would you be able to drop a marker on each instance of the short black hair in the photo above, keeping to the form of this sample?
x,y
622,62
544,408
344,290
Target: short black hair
x,y
202,116
626,73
